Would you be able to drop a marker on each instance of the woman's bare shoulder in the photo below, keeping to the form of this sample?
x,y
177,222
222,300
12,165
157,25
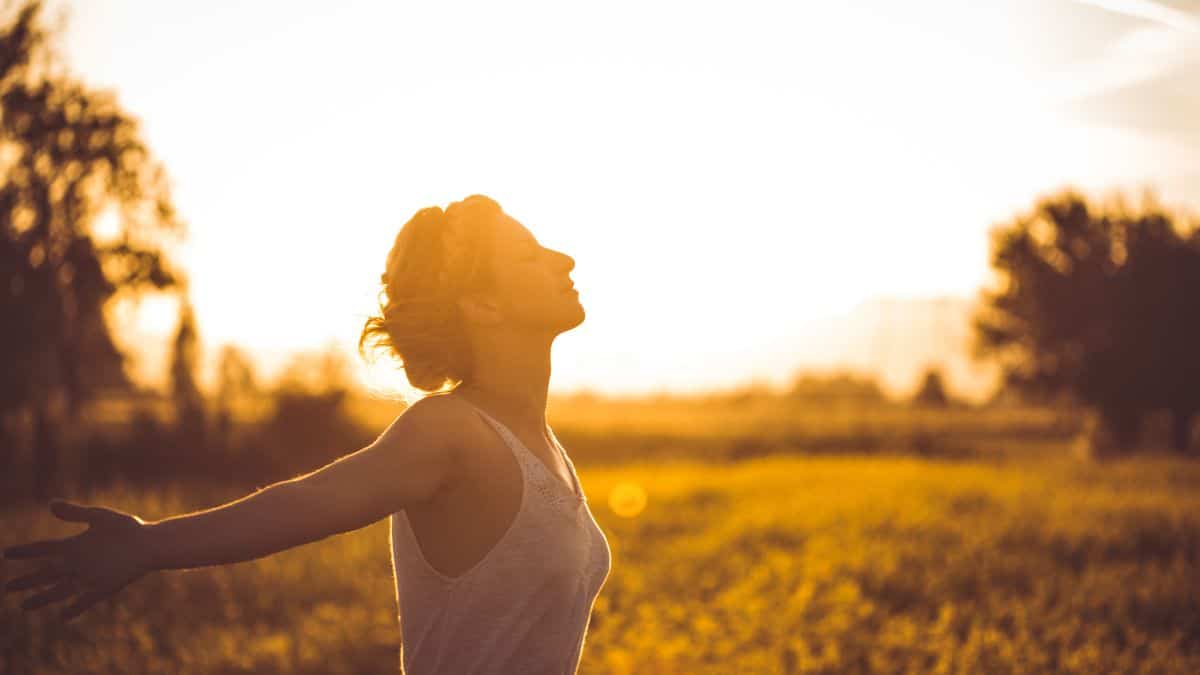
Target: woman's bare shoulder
x,y
437,420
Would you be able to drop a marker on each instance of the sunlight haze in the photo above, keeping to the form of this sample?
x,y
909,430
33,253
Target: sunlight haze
x,y
727,177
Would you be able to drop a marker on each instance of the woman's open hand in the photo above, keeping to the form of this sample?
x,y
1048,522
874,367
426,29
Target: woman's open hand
x,y
86,568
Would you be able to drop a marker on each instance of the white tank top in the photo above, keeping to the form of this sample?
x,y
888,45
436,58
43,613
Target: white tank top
x,y
524,608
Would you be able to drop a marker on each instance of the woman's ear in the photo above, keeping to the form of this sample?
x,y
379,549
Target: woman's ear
x,y
480,309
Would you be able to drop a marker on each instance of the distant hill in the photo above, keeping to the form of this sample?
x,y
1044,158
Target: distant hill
x,y
895,339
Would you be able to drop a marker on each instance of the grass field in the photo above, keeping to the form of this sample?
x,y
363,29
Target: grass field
x,y
615,430
777,564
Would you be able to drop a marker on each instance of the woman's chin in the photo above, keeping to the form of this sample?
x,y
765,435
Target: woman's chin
x,y
578,316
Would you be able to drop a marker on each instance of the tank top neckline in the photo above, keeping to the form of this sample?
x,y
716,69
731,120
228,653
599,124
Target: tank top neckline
x,y
576,492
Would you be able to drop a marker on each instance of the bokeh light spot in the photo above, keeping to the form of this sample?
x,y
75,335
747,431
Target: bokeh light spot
x,y
627,499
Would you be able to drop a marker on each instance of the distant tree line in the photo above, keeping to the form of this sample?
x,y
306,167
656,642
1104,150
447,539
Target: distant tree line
x,y
244,433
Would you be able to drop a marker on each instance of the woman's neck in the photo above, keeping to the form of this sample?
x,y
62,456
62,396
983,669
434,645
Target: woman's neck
x,y
511,380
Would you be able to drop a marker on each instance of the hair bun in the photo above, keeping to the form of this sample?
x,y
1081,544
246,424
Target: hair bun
x,y
435,255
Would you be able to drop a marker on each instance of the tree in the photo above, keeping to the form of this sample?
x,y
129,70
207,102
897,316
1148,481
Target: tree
x,y
67,156
237,391
310,423
843,387
932,391
1100,304
237,387
185,393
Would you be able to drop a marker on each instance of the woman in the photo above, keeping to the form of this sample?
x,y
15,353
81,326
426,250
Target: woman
x,y
496,555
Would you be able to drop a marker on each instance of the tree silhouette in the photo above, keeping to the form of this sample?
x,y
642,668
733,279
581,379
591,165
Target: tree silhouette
x,y
236,380
309,423
932,391
185,392
237,391
1101,304
845,387
68,155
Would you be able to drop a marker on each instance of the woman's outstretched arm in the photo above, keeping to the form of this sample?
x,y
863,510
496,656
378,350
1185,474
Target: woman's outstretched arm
x,y
409,463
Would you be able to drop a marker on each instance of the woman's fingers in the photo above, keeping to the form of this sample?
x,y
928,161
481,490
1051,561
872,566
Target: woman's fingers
x,y
82,604
62,591
77,513
36,549
42,577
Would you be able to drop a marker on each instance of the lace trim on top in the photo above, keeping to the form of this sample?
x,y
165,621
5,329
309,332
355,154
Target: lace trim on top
x,y
543,480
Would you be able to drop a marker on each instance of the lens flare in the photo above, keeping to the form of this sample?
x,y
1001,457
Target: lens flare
x,y
627,499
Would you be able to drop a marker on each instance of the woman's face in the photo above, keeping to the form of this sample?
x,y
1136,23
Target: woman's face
x,y
531,287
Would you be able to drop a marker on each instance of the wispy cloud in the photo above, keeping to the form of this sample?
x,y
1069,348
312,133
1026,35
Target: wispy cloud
x,y
1160,40
1149,11
1142,82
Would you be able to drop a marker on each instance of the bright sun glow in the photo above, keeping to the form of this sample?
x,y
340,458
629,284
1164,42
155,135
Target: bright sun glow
x,y
724,175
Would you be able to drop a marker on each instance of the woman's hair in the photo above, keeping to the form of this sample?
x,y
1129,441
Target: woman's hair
x,y
437,256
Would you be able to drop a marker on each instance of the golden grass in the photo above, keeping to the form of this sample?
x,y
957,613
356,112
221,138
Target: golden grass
x,y
781,564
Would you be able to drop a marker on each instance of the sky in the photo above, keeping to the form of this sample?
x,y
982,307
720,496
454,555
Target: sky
x,y
727,176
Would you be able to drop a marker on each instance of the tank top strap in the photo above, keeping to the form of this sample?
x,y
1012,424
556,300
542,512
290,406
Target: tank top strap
x,y
510,439
577,489
526,457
